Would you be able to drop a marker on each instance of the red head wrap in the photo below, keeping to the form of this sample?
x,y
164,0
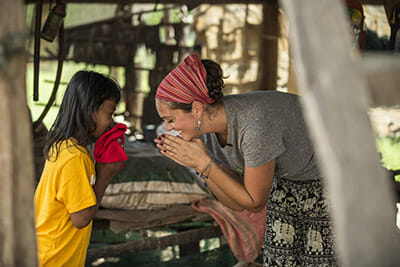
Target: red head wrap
x,y
186,83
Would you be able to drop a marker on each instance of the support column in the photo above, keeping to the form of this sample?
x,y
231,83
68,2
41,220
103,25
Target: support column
x,y
17,231
268,64
335,102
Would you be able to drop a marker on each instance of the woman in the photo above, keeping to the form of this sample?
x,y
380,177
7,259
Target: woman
x,y
254,148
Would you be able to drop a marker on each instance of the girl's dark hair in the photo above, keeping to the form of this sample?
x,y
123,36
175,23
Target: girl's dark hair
x,y
84,95
215,83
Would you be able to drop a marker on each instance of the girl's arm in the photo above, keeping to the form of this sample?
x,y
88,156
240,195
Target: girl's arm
x,y
104,173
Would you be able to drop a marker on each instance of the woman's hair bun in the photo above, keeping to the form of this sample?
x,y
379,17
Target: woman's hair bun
x,y
215,81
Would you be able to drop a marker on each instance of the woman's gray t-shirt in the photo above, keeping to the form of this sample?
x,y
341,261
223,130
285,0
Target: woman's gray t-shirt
x,y
264,125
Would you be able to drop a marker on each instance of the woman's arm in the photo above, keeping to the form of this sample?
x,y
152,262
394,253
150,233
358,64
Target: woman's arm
x,y
252,195
104,173
220,194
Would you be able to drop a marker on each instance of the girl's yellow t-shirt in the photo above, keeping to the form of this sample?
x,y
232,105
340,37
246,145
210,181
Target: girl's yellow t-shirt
x,y
65,187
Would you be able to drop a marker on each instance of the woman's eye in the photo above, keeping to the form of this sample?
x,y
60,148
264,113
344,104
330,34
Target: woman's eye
x,y
170,121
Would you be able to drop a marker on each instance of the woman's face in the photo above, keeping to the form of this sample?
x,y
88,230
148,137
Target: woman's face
x,y
103,117
177,119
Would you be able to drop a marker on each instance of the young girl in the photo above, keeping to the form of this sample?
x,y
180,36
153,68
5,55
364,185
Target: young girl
x,y
71,186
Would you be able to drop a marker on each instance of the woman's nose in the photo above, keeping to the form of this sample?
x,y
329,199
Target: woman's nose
x,y
168,127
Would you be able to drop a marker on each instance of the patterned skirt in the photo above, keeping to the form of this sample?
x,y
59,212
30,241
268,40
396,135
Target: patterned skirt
x,y
298,228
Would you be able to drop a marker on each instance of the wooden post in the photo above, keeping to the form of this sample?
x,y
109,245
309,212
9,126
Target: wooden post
x,y
134,95
335,102
268,63
17,232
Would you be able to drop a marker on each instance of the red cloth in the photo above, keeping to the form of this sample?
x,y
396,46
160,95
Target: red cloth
x,y
186,83
107,148
243,230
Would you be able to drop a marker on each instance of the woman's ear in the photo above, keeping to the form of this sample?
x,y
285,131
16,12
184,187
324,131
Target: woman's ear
x,y
197,109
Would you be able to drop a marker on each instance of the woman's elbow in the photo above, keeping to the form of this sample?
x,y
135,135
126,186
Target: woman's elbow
x,y
237,208
256,206
256,209
252,207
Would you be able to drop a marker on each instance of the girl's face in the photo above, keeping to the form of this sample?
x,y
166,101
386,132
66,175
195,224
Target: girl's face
x,y
177,119
103,117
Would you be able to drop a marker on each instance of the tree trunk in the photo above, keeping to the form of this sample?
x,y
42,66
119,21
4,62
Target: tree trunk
x,y
17,232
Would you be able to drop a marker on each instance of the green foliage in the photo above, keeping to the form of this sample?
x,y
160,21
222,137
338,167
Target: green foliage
x,y
389,147
174,15
47,75
153,19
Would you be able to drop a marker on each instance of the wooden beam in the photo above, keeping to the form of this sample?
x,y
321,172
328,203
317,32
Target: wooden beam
x,y
182,2
178,2
143,219
382,72
183,238
335,103
375,2
17,231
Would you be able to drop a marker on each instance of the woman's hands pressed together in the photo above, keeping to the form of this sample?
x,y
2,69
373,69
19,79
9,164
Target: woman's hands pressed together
x,y
191,153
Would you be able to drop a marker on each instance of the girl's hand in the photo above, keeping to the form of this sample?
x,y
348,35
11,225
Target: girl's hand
x,y
187,153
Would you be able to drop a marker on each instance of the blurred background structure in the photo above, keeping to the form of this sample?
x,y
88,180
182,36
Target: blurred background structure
x,y
260,46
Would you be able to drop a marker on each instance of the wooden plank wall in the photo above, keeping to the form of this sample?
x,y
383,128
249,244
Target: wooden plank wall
x,y
335,101
17,234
